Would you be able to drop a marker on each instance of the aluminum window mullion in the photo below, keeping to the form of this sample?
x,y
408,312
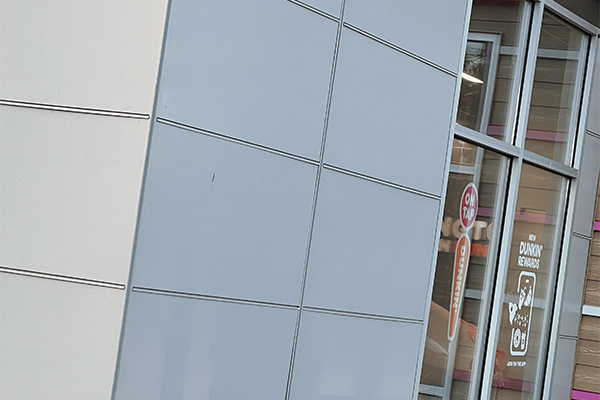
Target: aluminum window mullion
x,y
515,96
498,295
554,329
573,18
587,87
511,202
529,74
547,319
576,102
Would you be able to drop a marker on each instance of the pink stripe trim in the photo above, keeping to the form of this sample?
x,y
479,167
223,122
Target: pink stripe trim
x,y
579,395
546,136
495,130
505,383
528,217
535,218
484,212
597,226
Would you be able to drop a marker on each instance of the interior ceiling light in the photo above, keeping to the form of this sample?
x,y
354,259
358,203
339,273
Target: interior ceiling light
x,y
470,78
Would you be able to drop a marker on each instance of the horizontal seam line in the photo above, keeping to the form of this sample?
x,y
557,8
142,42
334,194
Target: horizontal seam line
x,y
315,10
582,236
234,140
381,181
363,315
592,133
175,293
400,49
81,110
62,278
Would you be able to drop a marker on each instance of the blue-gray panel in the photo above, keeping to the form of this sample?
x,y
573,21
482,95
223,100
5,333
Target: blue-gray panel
x,y
179,348
329,6
573,287
223,219
563,368
431,29
354,358
390,115
255,70
371,248
583,219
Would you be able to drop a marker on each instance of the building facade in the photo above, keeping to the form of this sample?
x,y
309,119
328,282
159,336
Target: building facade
x,y
299,199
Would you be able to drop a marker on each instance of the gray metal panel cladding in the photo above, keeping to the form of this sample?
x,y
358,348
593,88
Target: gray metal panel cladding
x,y
563,368
573,287
583,217
371,248
257,71
431,31
182,348
224,219
390,115
354,358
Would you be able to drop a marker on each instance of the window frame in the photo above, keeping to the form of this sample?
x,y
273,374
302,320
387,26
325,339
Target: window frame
x,y
513,146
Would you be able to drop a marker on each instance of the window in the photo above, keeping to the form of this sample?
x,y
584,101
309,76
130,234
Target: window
x,y
512,165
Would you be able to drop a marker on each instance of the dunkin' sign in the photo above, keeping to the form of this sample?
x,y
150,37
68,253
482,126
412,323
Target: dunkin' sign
x,y
468,212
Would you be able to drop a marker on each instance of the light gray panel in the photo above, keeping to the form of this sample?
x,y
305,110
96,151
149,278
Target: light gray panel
x,y
179,348
58,340
390,115
93,54
583,219
255,70
573,287
223,219
329,6
69,191
563,369
354,358
432,29
371,248
593,118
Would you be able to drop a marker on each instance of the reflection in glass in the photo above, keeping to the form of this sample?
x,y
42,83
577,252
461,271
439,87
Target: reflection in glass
x,y
555,96
493,66
529,283
465,269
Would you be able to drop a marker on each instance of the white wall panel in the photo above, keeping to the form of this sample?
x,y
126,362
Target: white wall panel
x,y
432,30
390,115
69,194
58,341
94,54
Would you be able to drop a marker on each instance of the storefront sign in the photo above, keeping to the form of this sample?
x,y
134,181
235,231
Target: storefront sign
x,y
468,206
468,211
519,312
461,264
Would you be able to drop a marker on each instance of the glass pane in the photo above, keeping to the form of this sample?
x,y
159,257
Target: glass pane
x,y
555,98
491,72
465,267
527,302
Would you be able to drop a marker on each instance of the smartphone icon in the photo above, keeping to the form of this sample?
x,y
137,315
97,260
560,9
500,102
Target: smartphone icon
x,y
520,314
